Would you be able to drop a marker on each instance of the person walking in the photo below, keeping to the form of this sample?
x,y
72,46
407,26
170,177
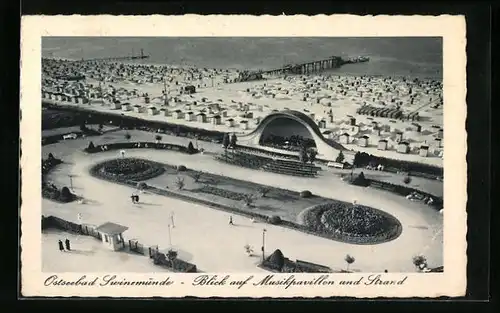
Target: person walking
x,y
61,246
231,220
67,243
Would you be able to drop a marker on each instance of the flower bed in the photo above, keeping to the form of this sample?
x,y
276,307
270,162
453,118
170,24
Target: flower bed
x,y
127,169
221,193
354,224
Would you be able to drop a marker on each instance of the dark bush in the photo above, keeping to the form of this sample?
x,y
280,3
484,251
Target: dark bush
x,y
359,180
181,168
407,180
190,148
51,156
305,194
277,259
90,146
274,219
142,185
66,195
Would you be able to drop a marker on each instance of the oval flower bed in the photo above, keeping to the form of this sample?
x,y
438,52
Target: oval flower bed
x,y
127,169
353,224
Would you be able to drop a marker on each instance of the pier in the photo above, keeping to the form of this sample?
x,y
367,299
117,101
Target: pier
x,y
314,66
141,56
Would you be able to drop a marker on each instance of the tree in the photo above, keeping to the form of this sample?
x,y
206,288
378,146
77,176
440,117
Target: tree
x,y
51,156
66,194
340,157
89,147
128,136
264,190
196,176
277,259
248,199
349,260
407,179
312,155
158,138
190,148
419,261
180,182
233,140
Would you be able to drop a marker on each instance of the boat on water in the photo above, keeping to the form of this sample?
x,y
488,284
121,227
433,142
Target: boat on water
x,y
357,59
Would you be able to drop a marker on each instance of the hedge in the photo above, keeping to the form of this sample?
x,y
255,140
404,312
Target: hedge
x,y
177,265
139,145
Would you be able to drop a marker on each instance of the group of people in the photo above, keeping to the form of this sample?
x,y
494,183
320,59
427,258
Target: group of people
x,y
64,247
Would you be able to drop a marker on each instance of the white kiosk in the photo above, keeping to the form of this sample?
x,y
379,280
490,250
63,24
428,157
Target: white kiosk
x,y
111,234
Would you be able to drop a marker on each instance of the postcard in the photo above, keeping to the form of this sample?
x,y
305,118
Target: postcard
x,y
243,156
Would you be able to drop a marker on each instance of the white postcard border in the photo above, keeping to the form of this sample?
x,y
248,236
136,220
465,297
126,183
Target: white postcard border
x,y
452,28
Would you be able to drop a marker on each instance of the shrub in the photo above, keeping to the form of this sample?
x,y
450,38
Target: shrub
x,y
91,146
305,194
66,195
180,182
51,156
340,157
360,180
407,180
263,190
274,219
190,148
277,259
419,261
196,176
142,185
128,136
181,168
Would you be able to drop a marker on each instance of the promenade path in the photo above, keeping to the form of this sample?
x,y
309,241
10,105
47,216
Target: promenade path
x,y
202,235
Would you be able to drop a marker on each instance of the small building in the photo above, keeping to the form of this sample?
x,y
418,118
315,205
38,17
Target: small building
x,y
230,122
164,112
344,138
424,151
399,137
244,124
201,117
189,116
216,120
116,105
382,145
322,124
138,109
126,107
178,114
416,127
403,147
440,133
224,113
438,142
111,235
363,141
374,125
152,111
249,115
352,121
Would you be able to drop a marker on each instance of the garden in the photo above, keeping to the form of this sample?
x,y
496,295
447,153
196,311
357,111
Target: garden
x,y
352,223
127,169
324,217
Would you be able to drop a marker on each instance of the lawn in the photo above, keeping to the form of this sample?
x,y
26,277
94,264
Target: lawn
x,y
231,192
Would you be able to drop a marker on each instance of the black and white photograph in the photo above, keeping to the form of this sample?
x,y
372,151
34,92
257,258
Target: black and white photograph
x,y
273,155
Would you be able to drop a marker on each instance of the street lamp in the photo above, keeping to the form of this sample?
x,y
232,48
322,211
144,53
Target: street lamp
x,y
172,219
70,181
263,243
169,237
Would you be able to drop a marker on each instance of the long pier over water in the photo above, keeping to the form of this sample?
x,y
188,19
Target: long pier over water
x,y
314,66
141,56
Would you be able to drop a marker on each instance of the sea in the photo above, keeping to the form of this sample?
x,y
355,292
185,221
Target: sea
x,y
420,57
